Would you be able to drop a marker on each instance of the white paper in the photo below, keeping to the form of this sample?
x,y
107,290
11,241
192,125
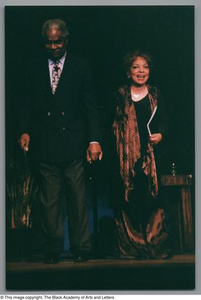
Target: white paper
x,y
154,111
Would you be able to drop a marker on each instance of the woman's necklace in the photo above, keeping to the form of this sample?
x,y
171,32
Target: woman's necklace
x,y
138,96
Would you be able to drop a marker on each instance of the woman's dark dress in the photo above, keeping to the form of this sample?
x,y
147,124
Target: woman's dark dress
x,y
140,222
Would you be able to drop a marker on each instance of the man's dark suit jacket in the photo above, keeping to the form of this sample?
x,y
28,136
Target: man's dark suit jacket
x,y
60,125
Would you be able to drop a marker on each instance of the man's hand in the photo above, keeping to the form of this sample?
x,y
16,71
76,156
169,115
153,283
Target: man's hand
x,y
94,152
155,138
24,141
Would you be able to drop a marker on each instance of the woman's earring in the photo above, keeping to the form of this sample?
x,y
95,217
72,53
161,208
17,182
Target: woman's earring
x,y
128,76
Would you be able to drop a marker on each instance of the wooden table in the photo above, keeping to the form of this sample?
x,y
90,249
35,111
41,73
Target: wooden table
x,y
182,188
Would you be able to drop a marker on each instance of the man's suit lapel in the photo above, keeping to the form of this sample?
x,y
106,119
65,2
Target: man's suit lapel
x,y
44,77
66,75
67,78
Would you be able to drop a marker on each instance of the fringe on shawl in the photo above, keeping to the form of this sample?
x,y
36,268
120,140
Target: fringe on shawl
x,y
125,129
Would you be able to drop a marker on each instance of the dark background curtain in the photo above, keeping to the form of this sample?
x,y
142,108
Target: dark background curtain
x,y
104,34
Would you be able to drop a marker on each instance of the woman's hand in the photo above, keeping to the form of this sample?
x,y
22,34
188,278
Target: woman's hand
x,y
155,138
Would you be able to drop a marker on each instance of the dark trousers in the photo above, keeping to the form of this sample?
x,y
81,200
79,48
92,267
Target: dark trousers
x,y
50,179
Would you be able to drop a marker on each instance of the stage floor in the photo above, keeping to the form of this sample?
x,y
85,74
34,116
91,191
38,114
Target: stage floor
x,y
177,273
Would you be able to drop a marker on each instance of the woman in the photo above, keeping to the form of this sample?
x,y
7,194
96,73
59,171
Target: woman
x,y
139,217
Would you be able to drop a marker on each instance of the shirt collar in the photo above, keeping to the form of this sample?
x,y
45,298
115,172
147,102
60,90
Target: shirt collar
x,y
61,60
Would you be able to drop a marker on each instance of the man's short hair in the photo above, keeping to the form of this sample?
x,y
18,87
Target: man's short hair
x,y
57,23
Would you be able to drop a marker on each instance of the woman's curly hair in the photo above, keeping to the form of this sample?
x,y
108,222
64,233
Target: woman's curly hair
x,y
131,56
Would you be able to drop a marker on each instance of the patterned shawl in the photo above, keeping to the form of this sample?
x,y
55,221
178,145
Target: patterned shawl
x,y
125,129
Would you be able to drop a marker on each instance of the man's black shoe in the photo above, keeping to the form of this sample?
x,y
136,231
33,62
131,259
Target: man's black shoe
x,y
79,258
51,260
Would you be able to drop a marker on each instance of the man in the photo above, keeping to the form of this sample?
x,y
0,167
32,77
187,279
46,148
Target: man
x,y
59,117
